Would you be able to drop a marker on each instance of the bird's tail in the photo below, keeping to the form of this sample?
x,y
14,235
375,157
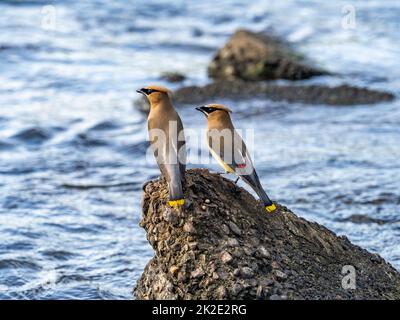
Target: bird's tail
x,y
176,196
254,182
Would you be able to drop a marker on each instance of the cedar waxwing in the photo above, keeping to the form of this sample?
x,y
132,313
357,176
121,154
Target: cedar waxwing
x,y
167,140
228,148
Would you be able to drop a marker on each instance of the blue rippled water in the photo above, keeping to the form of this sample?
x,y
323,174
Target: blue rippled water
x,y
72,147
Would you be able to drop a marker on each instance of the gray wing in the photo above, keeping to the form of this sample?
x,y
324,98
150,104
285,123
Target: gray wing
x,y
233,152
166,154
231,149
181,148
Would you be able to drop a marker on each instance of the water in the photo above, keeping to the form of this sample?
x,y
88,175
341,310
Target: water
x,y
72,146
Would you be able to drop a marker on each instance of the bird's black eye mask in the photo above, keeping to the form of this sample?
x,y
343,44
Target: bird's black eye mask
x,y
209,110
206,110
147,91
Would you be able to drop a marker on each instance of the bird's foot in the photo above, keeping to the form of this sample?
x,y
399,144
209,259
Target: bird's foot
x,y
270,208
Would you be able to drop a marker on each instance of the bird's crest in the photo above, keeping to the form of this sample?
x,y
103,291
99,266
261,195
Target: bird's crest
x,y
219,107
159,89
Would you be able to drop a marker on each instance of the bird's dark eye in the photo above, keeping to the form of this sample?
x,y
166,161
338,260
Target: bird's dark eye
x,y
148,91
210,110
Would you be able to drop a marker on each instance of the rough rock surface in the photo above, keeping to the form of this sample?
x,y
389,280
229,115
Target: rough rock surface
x,y
253,56
223,245
343,95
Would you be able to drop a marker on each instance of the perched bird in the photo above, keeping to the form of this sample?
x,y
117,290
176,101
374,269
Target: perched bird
x,y
228,148
167,140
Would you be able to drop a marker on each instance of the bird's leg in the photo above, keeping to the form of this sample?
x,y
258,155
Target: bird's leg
x,y
237,180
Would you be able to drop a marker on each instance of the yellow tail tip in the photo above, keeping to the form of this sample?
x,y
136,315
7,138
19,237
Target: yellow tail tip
x,y
176,203
271,208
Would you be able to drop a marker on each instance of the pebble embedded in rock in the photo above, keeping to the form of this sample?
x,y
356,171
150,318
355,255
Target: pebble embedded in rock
x,y
267,282
246,272
202,258
375,258
259,292
198,273
232,242
226,257
170,216
192,245
188,227
221,292
248,251
234,228
223,275
173,269
181,276
264,252
236,289
278,297
207,201
225,229
280,274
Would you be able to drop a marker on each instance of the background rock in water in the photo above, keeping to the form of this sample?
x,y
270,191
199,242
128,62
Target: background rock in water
x,y
343,95
253,56
172,76
224,245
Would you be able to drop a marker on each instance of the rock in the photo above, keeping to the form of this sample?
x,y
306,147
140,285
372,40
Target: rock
x,y
254,56
305,259
343,95
172,76
362,218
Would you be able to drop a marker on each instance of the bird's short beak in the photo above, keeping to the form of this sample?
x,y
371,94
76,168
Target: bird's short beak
x,y
201,110
140,91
